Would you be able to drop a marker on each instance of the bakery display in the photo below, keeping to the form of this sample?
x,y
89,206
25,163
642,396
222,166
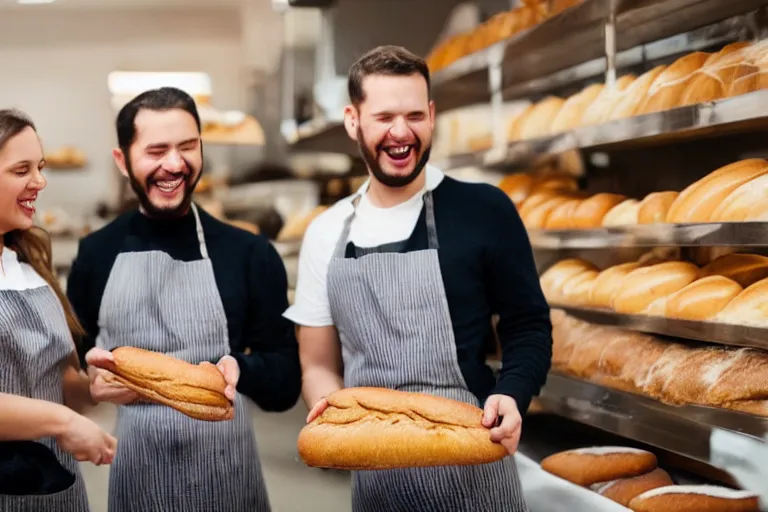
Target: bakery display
x,y
588,466
375,428
196,390
695,498
66,157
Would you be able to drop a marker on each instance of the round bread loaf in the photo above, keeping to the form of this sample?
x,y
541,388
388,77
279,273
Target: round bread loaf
x,y
703,299
591,211
587,466
635,94
600,109
624,490
623,214
748,308
697,202
745,269
569,116
695,498
645,285
553,279
666,90
654,207
607,283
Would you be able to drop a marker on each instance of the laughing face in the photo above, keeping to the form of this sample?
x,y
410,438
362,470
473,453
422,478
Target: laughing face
x,y
393,127
165,161
21,163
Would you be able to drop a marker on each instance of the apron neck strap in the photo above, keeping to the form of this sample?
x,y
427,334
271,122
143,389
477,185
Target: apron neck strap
x,y
200,234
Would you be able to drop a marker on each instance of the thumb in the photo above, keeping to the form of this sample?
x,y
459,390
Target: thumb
x,y
491,411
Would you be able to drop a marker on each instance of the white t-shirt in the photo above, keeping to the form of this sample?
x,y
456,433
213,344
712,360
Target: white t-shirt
x,y
371,227
17,276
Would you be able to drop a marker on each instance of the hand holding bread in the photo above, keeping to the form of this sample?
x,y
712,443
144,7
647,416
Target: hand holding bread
x,y
376,428
507,432
104,387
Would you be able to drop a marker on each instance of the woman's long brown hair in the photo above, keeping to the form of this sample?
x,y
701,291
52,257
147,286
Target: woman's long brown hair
x,y
34,245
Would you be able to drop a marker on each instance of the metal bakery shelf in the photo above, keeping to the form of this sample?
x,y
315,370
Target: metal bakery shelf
x,y
724,234
687,430
710,332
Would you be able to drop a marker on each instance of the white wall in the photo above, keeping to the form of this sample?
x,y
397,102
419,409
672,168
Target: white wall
x,y
55,66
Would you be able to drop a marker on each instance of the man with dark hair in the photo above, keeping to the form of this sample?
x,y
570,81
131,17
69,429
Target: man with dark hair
x,y
397,286
170,278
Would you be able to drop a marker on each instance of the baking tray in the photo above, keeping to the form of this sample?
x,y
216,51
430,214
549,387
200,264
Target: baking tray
x,y
724,234
709,332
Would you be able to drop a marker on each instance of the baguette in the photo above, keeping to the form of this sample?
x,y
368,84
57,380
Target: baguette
x,y
669,86
607,284
715,78
591,211
748,308
588,466
643,286
376,428
703,299
624,490
562,216
535,214
623,214
635,94
517,186
745,269
537,121
600,109
739,204
695,498
569,116
555,277
194,390
655,206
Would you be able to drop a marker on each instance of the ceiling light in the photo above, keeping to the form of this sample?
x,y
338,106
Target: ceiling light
x,y
34,2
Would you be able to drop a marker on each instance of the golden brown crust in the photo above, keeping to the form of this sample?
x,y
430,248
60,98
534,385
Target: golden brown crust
x,y
745,269
669,86
641,287
195,390
377,428
584,468
632,98
569,116
654,207
607,284
591,211
626,489
702,299
694,499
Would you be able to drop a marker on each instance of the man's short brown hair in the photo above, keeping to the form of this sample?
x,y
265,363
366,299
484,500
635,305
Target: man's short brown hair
x,y
384,60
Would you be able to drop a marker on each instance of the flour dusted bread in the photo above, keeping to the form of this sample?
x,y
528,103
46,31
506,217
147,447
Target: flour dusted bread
x,y
587,466
195,390
376,428
624,490
695,498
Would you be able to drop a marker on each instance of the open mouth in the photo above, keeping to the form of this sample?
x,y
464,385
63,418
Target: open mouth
x,y
28,205
169,186
399,152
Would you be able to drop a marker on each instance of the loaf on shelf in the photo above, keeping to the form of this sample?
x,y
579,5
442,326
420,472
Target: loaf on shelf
x,y
695,498
624,490
672,373
589,466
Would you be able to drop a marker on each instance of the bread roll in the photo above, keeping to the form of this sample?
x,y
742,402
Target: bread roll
x,y
194,390
554,277
375,428
537,216
574,108
517,186
623,214
669,86
739,204
752,73
538,121
697,202
624,490
600,110
587,466
702,299
563,215
695,498
515,129
713,81
749,307
607,283
745,269
654,207
591,211
645,285
576,290
635,94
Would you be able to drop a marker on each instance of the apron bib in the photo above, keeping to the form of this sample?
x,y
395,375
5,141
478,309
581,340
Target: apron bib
x,y
166,461
34,344
391,312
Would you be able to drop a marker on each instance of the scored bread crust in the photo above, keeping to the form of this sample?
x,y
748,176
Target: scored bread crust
x,y
195,390
375,428
624,490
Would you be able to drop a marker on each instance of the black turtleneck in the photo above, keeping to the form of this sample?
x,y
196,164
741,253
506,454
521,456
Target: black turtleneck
x,y
252,284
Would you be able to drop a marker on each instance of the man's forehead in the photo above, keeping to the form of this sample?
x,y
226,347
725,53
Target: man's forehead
x,y
395,94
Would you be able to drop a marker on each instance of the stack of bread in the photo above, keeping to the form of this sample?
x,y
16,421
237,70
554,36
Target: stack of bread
x,y
500,27
520,186
672,373
737,192
632,478
698,77
728,290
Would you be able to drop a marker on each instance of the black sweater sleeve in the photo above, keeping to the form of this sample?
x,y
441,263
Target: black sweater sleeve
x,y
270,370
78,294
524,328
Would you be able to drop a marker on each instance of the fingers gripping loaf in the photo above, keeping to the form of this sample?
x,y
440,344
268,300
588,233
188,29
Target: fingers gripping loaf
x,y
375,428
195,390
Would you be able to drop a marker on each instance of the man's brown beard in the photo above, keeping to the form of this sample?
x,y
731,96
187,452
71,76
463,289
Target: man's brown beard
x,y
379,174
164,213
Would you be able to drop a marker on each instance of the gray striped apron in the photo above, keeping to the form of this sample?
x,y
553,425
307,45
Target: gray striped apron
x,y
391,312
34,345
166,461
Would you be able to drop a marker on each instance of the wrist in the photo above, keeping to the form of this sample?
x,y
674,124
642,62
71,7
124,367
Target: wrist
x,y
60,419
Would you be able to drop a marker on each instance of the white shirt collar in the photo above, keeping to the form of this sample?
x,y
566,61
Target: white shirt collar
x,y
434,177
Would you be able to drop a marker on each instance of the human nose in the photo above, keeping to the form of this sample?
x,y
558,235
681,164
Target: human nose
x,y
38,181
173,161
399,129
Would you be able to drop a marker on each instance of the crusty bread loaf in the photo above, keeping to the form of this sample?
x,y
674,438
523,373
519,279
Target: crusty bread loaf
x,y
376,428
698,201
607,284
695,498
591,211
645,285
600,109
569,116
714,79
703,299
553,279
752,73
669,86
535,214
537,122
562,217
745,269
633,97
576,291
654,207
195,390
624,490
587,466
517,186
749,307
739,204
515,128
623,214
